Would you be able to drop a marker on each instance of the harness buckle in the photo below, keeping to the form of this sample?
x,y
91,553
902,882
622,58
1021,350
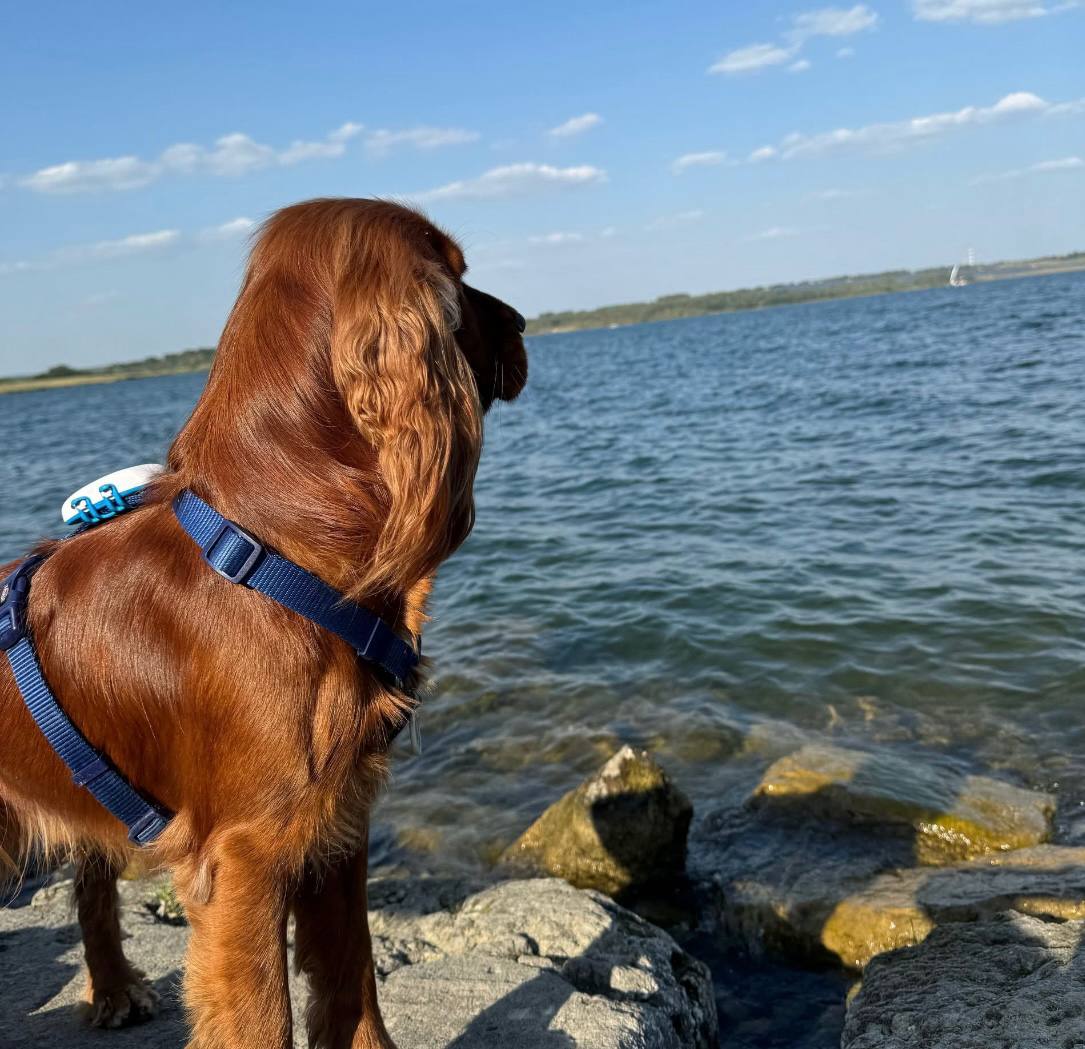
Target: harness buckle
x,y
233,553
14,592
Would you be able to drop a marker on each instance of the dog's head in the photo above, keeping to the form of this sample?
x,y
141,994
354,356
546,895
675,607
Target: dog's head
x,y
354,317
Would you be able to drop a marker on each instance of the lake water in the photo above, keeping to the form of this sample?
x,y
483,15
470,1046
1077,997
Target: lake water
x,y
863,519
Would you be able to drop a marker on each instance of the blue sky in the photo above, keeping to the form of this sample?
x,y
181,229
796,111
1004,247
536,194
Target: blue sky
x,y
583,154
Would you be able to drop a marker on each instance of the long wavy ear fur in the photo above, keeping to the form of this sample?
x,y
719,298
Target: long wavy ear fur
x,y
412,396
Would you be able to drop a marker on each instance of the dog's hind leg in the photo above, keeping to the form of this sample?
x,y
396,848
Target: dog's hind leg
x,y
333,949
117,994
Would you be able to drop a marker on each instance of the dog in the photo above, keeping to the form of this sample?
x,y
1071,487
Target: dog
x,y
341,423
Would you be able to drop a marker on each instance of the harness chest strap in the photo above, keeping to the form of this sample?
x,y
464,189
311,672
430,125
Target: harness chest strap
x,y
236,556
89,769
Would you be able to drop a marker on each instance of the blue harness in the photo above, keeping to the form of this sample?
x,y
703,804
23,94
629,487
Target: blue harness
x,y
237,557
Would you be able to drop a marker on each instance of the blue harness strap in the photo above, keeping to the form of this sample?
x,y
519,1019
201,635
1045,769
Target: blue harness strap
x,y
89,769
235,555
240,558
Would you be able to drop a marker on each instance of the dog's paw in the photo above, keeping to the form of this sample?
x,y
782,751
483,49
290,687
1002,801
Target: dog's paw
x,y
130,1003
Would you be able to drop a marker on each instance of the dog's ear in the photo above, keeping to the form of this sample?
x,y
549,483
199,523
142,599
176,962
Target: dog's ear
x,y
413,398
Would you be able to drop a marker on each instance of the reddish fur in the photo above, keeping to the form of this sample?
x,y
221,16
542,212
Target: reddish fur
x,y
341,423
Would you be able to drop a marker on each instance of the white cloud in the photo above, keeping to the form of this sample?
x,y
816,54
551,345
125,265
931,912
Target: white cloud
x,y
833,21
516,180
752,59
576,126
987,12
1042,168
845,52
383,141
78,176
710,158
557,238
897,134
231,155
677,219
136,244
775,233
238,227
834,194
825,21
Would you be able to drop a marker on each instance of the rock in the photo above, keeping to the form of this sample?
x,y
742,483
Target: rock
x,y
622,829
901,907
819,862
773,882
540,964
534,964
1012,982
951,816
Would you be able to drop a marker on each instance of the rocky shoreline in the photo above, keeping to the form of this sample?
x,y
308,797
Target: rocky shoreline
x,y
937,895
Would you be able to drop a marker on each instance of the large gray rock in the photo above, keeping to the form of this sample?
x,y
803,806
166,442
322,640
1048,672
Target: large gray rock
x,y
621,830
533,964
1012,982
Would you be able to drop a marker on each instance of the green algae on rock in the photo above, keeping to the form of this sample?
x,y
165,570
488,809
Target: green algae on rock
x,y
952,816
623,828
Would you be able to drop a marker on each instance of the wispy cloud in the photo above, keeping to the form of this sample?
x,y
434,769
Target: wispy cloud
x,y
833,21
709,158
511,180
555,239
752,59
134,245
576,125
834,194
776,233
98,251
805,26
239,227
898,134
231,155
1042,168
383,141
845,52
677,219
987,12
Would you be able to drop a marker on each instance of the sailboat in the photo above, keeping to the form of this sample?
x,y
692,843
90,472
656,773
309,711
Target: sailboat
x,y
955,278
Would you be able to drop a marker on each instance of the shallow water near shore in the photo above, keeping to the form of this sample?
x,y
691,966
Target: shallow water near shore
x,y
863,519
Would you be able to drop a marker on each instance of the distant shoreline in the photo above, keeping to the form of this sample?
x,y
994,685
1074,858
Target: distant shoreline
x,y
666,308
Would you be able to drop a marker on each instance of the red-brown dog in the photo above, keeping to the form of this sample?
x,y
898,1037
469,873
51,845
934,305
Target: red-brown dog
x,y
341,424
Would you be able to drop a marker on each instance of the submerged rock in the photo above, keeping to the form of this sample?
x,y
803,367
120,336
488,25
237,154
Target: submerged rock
x,y
1011,981
532,964
820,861
623,829
951,816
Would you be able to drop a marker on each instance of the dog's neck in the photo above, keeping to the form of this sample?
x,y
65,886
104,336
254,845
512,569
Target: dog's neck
x,y
322,510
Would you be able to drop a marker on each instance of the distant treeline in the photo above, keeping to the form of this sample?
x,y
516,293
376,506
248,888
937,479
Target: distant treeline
x,y
63,375
665,308
673,307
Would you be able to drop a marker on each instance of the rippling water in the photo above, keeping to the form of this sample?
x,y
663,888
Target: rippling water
x,y
864,518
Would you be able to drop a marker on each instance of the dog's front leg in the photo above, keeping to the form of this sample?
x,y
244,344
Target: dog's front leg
x,y
236,976
334,951
117,994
